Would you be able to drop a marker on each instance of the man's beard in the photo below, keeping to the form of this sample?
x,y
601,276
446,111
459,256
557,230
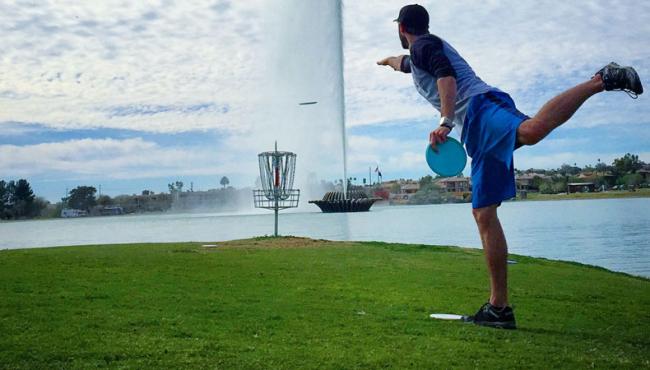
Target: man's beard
x,y
405,42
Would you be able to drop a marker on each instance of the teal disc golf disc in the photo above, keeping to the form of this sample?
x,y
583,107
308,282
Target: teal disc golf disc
x,y
450,159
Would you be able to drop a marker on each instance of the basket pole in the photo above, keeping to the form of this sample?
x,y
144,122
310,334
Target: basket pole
x,y
276,216
276,169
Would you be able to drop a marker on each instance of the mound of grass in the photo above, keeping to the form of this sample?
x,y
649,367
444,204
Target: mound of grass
x,y
300,303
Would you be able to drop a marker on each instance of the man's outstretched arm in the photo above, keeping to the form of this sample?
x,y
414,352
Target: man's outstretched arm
x,y
399,63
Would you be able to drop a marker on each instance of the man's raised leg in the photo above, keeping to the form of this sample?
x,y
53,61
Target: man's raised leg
x,y
557,111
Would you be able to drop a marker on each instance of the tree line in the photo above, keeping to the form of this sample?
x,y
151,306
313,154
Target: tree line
x,y
17,201
623,173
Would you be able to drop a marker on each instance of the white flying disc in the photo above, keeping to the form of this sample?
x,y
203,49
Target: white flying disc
x,y
445,316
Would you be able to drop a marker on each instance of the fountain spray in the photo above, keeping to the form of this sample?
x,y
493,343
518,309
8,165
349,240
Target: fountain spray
x,y
341,102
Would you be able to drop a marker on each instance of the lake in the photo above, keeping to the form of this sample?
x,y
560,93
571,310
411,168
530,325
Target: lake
x,y
612,233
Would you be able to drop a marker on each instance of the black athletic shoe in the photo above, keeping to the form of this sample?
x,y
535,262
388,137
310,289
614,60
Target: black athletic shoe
x,y
620,78
494,317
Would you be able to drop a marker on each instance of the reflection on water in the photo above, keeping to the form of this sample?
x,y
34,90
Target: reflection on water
x,y
612,233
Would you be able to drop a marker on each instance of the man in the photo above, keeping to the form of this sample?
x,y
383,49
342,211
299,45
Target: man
x,y
491,128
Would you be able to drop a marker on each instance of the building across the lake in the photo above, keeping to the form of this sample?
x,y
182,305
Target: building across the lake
x,y
401,191
455,184
581,187
111,211
71,213
530,181
645,174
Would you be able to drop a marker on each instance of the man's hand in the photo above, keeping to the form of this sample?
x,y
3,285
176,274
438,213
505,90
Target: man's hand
x,y
394,62
438,136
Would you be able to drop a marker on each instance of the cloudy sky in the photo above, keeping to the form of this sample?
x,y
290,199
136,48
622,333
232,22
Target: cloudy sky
x,y
133,95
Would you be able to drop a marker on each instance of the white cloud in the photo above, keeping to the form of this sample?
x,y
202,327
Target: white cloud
x,y
112,159
69,62
64,64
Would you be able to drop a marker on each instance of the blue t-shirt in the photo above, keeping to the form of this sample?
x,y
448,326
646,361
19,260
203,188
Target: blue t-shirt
x,y
433,58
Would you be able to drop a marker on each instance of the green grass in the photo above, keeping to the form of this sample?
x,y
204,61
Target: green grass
x,y
299,303
639,193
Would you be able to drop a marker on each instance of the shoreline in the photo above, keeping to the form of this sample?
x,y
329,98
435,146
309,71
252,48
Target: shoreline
x,y
616,194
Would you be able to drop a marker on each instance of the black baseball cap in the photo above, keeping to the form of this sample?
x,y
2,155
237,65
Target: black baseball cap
x,y
414,17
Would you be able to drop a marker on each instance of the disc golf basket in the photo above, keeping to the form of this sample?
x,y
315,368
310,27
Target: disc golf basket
x,y
277,170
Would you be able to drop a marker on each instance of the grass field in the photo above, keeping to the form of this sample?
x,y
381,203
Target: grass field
x,y
639,193
299,303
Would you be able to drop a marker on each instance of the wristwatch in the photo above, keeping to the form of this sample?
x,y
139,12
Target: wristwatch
x,y
447,122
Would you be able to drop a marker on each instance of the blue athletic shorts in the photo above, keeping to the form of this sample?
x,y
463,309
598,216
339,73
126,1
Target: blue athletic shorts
x,y
490,136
